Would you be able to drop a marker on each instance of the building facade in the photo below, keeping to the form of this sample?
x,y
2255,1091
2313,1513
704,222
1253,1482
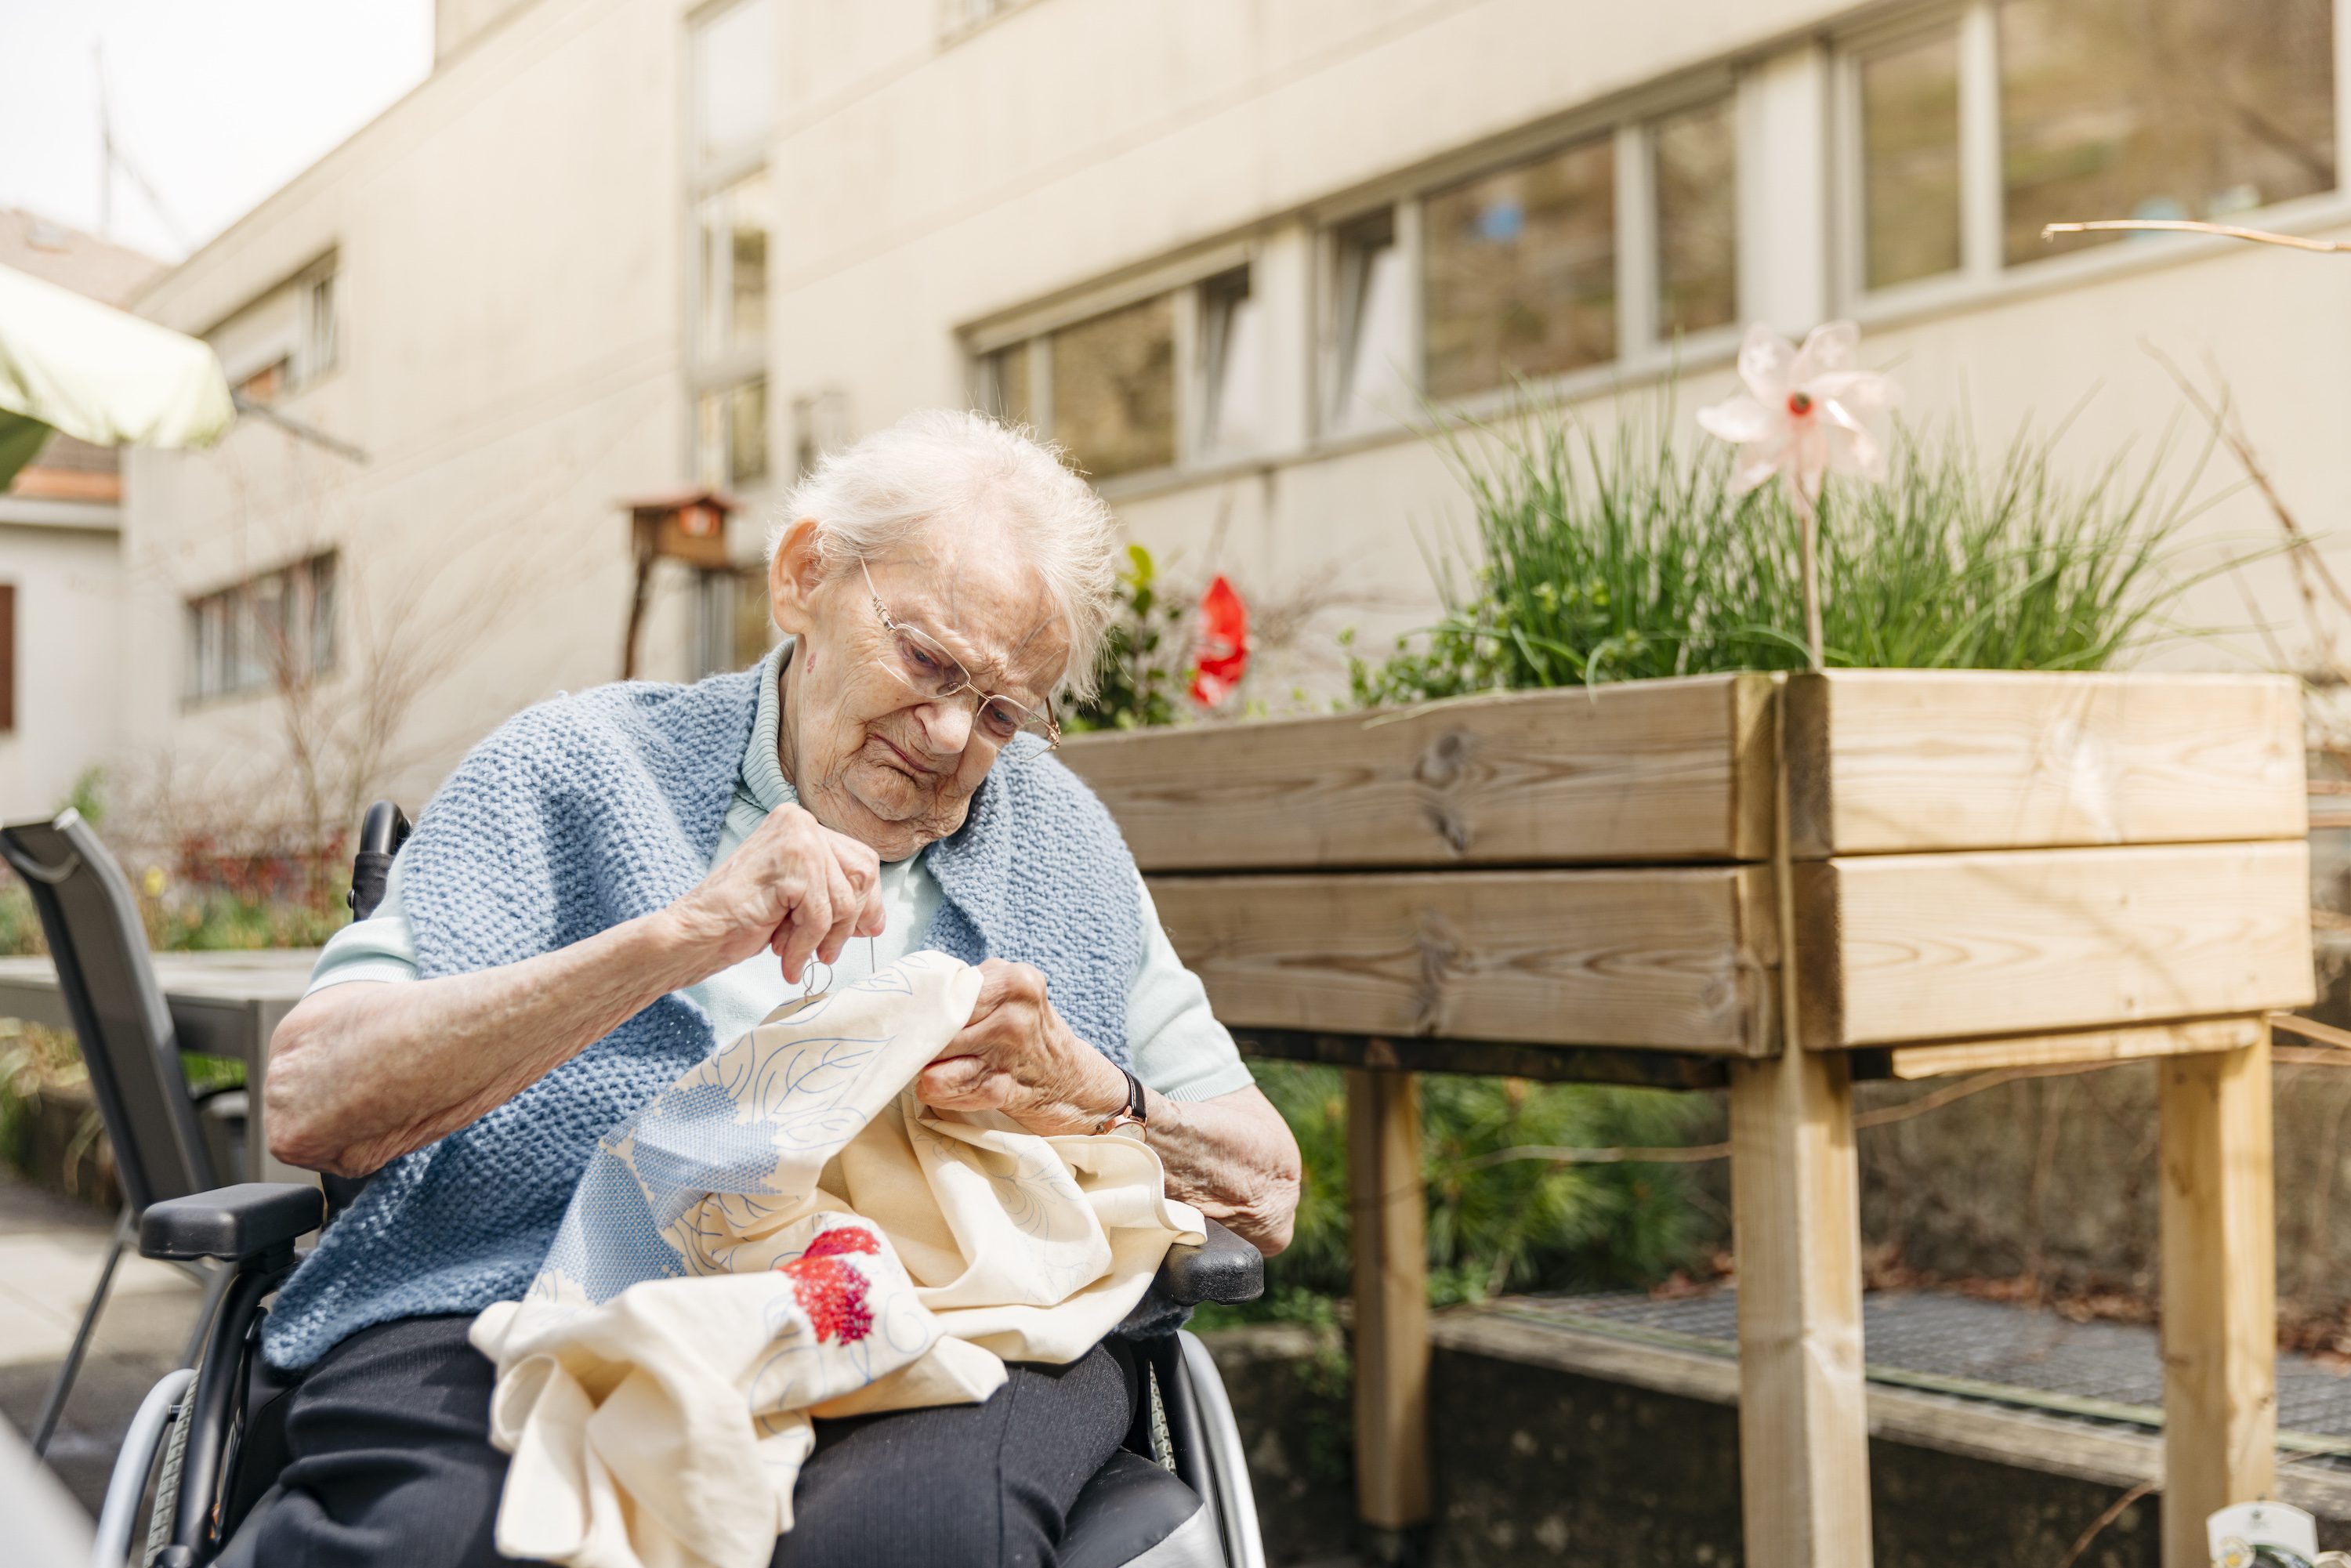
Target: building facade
x,y
62,587
1234,254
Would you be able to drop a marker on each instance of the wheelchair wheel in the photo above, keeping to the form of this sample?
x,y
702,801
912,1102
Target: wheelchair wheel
x,y
167,1480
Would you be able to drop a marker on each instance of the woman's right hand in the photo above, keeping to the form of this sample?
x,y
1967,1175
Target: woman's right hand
x,y
795,886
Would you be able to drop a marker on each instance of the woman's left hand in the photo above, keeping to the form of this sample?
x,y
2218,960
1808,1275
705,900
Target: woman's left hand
x,y
1017,1056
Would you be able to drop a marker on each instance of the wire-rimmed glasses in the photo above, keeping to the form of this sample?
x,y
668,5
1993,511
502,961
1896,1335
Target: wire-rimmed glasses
x,y
918,660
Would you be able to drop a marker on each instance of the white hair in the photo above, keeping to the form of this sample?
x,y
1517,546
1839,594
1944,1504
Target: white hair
x,y
948,469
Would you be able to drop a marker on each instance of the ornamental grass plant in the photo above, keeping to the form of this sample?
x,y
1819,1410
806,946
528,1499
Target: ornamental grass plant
x,y
1625,555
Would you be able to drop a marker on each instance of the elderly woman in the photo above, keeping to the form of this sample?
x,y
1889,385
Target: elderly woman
x,y
615,883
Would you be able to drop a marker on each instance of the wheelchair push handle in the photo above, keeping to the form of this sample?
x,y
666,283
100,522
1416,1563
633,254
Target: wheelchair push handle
x,y
380,836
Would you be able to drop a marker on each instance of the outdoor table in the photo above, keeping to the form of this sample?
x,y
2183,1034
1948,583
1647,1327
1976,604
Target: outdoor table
x,y
222,1004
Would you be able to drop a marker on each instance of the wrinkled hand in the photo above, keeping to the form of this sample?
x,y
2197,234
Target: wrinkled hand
x,y
795,886
1017,1056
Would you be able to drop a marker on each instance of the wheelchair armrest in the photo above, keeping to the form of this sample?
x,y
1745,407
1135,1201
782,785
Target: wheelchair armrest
x,y
1223,1268
231,1223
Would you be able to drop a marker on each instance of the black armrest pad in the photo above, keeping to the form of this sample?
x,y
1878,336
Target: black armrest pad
x,y
231,1223
1225,1268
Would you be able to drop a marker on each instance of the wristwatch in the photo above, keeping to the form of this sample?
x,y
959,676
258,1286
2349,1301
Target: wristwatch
x,y
1130,1114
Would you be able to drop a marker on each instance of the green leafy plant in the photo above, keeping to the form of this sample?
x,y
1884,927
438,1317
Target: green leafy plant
x,y
1603,558
86,797
1501,1217
1146,659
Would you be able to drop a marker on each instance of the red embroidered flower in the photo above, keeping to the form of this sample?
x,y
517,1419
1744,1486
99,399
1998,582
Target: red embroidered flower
x,y
842,1239
831,1291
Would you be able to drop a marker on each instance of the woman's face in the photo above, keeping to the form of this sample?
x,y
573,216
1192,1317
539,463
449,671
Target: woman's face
x,y
870,756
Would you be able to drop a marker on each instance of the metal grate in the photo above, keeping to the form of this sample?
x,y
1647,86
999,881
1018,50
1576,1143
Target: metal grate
x,y
1996,1351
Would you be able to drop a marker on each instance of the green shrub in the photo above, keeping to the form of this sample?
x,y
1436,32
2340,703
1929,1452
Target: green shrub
x,y
1499,1224
1603,559
20,923
1146,657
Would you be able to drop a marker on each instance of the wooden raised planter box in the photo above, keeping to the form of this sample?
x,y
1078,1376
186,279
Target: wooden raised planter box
x,y
1969,855
1909,872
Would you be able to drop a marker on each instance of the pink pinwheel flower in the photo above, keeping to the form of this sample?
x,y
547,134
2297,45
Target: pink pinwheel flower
x,y
1806,411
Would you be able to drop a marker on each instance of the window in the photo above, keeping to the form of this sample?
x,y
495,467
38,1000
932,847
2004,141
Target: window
x,y
755,633
1973,135
1232,363
318,341
732,627
1910,160
734,66
287,338
321,604
1006,393
734,227
2166,109
731,434
1520,271
279,627
7,658
1694,167
1370,306
1114,389
266,384
819,424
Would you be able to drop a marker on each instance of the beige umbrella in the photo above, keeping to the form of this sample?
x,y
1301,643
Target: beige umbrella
x,y
102,375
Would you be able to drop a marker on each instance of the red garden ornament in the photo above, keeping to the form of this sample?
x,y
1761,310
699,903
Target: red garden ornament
x,y
1222,639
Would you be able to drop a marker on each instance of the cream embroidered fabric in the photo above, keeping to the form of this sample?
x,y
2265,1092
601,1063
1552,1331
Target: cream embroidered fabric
x,y
786,1232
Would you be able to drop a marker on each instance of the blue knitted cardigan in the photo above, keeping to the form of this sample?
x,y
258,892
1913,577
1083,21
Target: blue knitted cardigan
x,y
591,810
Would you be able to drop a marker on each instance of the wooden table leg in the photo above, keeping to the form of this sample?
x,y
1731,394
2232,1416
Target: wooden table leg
x,y
2219,1291
1391,1281
1803,1424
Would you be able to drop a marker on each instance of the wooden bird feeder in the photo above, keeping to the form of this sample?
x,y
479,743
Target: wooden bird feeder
x,y
690,528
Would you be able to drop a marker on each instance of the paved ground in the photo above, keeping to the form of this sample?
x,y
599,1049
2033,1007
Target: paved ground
x,y
51,1249
1996,1350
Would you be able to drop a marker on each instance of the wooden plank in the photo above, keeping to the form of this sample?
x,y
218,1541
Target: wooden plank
x,y
1390,1285
1909,1062
1803,1424
1897,948
1899,761
1667,959
2218,1222
1490,1058
1647,771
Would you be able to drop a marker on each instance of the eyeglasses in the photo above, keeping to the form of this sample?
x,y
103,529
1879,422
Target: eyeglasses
x,y
915,658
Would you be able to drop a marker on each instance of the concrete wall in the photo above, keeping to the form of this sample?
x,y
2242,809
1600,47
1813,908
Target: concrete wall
x,y
69,666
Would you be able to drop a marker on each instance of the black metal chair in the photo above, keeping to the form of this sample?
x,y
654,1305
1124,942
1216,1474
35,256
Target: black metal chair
x,y
1176,1496
169,1139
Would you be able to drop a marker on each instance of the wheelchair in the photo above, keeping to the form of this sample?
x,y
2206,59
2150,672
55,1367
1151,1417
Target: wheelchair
x,y
212,1438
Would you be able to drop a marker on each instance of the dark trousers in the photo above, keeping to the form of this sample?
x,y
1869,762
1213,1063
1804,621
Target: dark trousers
x,y
391,1465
